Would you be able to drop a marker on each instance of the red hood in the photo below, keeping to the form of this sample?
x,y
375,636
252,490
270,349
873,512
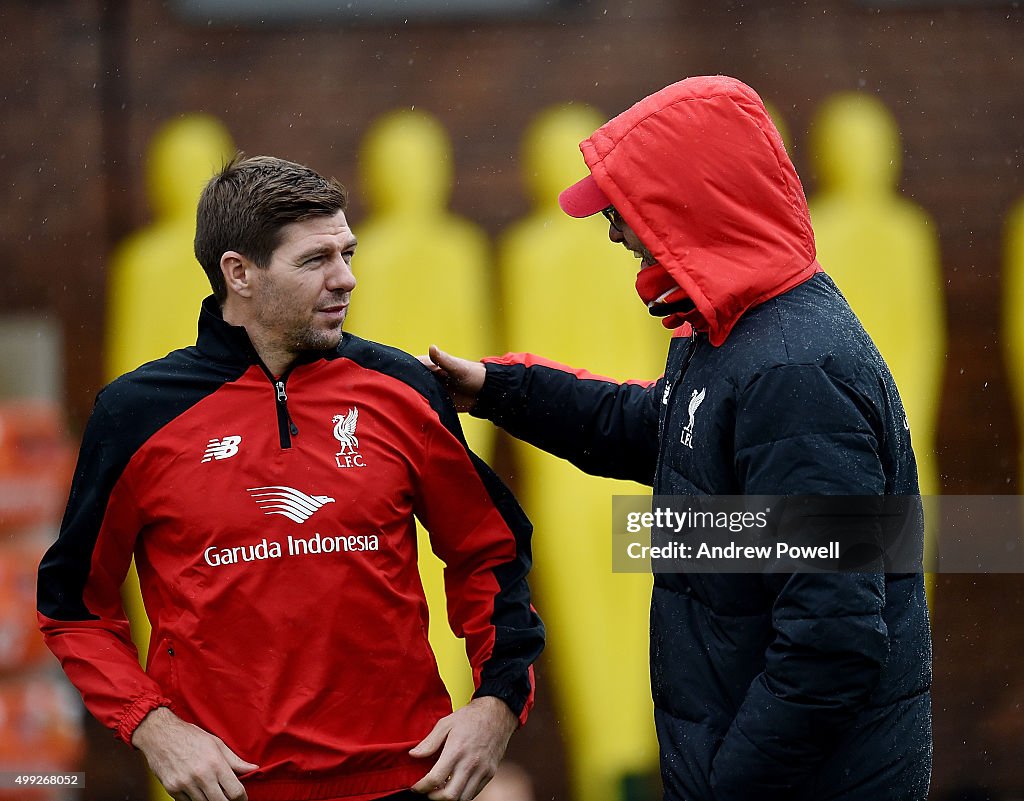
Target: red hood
x,y
700,173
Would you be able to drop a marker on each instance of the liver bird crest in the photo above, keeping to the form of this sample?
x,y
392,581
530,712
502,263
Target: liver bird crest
x,y
345,431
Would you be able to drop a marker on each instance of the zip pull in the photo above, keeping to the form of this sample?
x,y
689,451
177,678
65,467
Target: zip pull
x,y
282,398
287,428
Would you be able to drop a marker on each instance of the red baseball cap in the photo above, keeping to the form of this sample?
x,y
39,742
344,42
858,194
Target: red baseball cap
x,y
583,198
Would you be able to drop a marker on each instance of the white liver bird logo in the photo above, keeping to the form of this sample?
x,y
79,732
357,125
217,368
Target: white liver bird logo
x,y
696,399
345,431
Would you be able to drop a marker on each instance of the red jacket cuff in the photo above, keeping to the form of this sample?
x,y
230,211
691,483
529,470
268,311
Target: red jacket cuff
x,y
135,712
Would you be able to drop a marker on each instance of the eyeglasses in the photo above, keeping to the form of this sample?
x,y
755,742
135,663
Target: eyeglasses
x,y
614,218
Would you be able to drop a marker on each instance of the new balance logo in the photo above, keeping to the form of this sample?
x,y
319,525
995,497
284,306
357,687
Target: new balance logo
x,y
287,502
221,448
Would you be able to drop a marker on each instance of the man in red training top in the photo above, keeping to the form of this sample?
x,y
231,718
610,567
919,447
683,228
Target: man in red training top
x,y
267,482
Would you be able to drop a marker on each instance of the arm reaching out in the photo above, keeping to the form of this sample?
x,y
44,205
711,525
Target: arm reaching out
x,y
602,426
472,741
189,762
462,378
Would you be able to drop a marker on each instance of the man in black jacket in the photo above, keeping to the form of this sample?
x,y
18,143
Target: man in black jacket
x,y
776,686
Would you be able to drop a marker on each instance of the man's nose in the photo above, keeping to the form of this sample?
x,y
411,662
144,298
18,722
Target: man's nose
x,y
340,277
614,234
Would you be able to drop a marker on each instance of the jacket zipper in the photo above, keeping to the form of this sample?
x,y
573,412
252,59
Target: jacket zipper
x,y
286,428
678,379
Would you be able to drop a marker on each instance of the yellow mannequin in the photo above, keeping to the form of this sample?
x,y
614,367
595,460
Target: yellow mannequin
x,y
1013,318
883,253
423,276
155,284
568,295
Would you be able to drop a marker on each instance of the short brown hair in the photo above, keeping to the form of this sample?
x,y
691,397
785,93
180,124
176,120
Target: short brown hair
x,y
245,206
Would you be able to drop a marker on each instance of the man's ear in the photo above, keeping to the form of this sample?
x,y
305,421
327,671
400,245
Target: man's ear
x,y
237,271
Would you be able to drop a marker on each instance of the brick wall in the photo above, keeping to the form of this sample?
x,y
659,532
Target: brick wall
x,y
84,86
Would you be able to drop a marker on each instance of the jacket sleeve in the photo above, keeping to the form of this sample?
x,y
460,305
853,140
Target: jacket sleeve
x,y
801,432
80,576
603,427
482,535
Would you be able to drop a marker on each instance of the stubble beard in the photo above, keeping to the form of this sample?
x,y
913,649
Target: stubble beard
x,y
301,336
310,338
